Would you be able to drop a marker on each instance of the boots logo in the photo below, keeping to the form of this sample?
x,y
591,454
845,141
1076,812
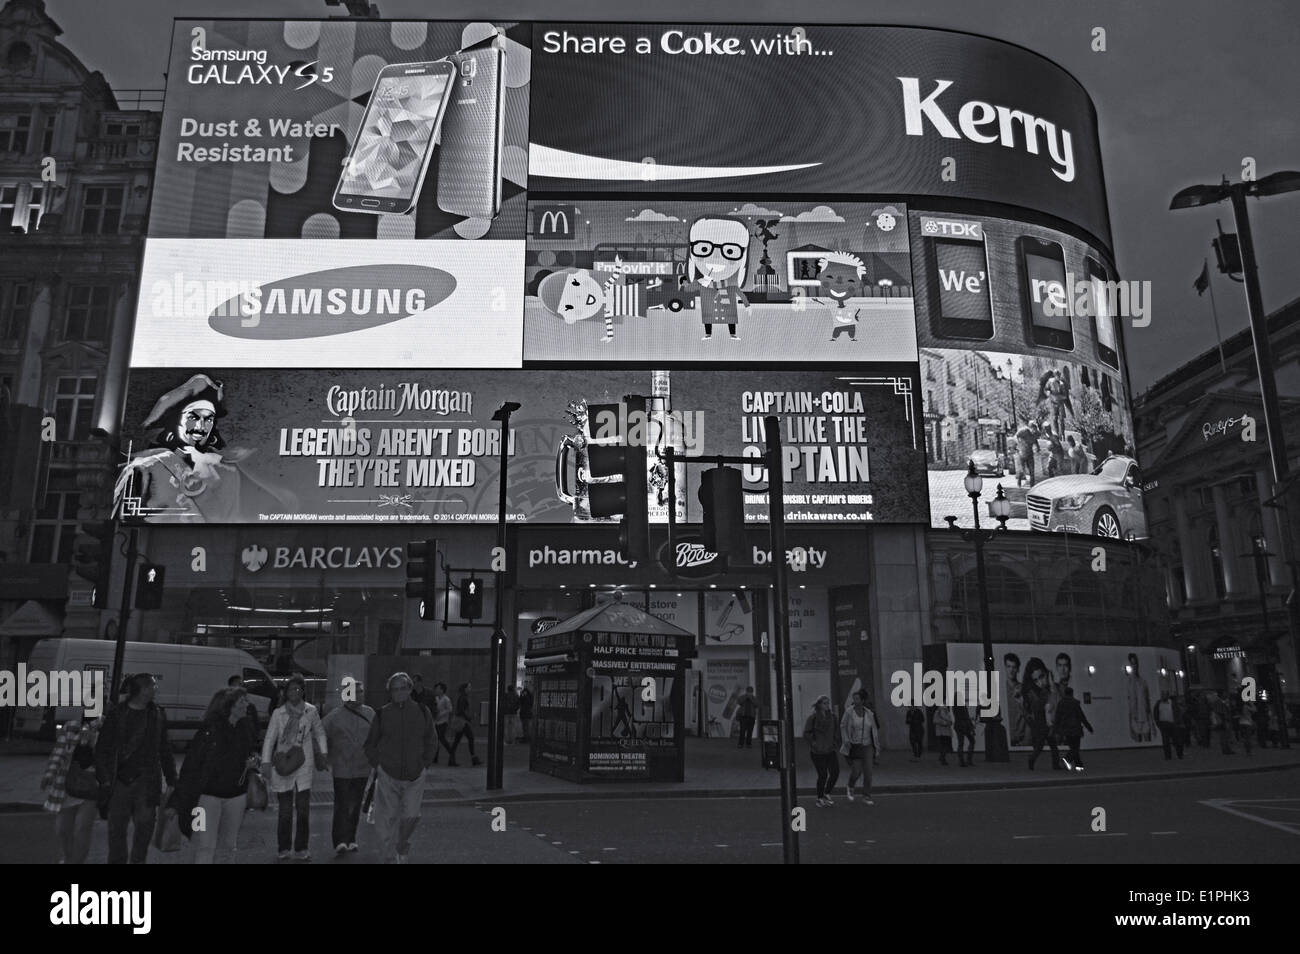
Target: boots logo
x,y
253,557
331,302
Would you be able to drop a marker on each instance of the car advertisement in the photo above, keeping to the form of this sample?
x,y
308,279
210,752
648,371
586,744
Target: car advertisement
x,y
834,110
230,445
718,281
344,129
280,303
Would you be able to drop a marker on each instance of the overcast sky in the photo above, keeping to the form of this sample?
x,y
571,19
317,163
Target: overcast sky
x,y
1185,90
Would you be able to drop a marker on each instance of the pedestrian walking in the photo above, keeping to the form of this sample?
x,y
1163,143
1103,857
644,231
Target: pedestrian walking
x,y
462,726
419,695
1168,717
1221,721
214,776
1246,724
442,714
526,712
1069,724
860,741
822,732
916,731
132,759
70,787
512,714
401,745
943,732
294,746
346,729
964,729
1038,714
747,712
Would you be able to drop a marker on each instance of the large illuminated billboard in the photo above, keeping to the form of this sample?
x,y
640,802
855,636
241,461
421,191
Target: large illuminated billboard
x,y
344,129
248,446
718,281
1021,372
811,110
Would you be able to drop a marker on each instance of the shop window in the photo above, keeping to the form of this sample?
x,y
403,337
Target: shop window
x,y
101,209
89,307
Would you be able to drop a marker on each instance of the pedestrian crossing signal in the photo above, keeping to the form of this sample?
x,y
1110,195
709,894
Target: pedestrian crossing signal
x,y
471,598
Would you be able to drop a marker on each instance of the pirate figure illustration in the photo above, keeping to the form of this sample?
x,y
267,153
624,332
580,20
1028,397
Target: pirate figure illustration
x,y
185,476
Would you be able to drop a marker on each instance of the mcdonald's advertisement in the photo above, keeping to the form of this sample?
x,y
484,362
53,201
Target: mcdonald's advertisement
x,y
226,445
718,282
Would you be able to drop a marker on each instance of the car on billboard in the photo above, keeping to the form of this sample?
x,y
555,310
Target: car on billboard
x,y
1105,503
988,463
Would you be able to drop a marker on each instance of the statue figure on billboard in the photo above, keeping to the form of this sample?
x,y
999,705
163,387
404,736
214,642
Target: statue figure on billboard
x,y
188,475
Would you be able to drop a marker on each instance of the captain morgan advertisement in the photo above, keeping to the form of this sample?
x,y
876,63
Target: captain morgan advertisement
x,y
243,446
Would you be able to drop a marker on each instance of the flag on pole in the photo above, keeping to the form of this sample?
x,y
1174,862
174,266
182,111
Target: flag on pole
x,y
1202,280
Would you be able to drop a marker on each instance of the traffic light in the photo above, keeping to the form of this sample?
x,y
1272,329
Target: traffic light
x,y
93,558
422,576
471,598
625,497
149,586
723,499
1228,252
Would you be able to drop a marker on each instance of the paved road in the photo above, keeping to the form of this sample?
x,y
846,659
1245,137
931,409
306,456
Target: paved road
x,y
1256,818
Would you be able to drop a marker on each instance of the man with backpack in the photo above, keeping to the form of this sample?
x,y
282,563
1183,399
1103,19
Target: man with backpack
x,y
401,745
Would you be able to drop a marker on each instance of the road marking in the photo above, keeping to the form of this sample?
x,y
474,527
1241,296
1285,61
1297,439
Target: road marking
x,y
574,852
770,844
1092,834
557,843
609,849
1021,837
593,862
847,842
721,846
1222,805
1164,833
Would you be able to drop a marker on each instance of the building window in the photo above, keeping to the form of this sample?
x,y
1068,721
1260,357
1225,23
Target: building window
x,y
15,305
121,129
101,210
21,206
47,134
18,56
74,407
15,128
35,209
1216,564
88,313
55,527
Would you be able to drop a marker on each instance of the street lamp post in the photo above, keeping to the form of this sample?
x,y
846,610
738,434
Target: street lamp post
x,y
995,733
496,724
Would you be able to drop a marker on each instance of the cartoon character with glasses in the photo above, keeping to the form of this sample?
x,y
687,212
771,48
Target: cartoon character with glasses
x,y
719,253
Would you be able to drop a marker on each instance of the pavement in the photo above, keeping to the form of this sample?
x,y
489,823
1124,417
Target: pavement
x,y
717,768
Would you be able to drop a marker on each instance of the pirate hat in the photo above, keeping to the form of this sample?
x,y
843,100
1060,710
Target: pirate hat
x,y
198,388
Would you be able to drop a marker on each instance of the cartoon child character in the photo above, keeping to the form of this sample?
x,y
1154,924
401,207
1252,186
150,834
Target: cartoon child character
x,y
719,256
576,294
841,275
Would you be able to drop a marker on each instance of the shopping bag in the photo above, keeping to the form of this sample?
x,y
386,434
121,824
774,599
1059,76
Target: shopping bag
x,y
167,834
258,798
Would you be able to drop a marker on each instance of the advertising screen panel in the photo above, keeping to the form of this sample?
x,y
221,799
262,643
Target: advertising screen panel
x,y
344,129
280,303
718,281
833,110
248,446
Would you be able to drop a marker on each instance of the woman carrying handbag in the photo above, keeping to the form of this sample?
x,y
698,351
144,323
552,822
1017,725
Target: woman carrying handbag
x,y
70,788
215,775
294,747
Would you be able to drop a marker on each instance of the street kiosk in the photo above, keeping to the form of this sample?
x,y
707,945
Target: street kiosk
x,y
610,694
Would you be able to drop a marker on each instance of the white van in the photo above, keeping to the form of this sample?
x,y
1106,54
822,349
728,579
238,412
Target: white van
x,y
188,677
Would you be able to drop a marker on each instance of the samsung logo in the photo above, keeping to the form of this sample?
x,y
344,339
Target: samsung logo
x,y
331,302
984,122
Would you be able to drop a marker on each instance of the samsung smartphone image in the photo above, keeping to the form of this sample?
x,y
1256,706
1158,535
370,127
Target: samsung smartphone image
x,y
1103,321
1047,300
385,169
469,158
960,306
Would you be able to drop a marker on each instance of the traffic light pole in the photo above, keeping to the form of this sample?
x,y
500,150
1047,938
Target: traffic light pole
x,y
781,637
496,702
124,613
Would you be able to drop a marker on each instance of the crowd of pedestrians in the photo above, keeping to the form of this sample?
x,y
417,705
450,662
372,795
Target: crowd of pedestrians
x,y
120,768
